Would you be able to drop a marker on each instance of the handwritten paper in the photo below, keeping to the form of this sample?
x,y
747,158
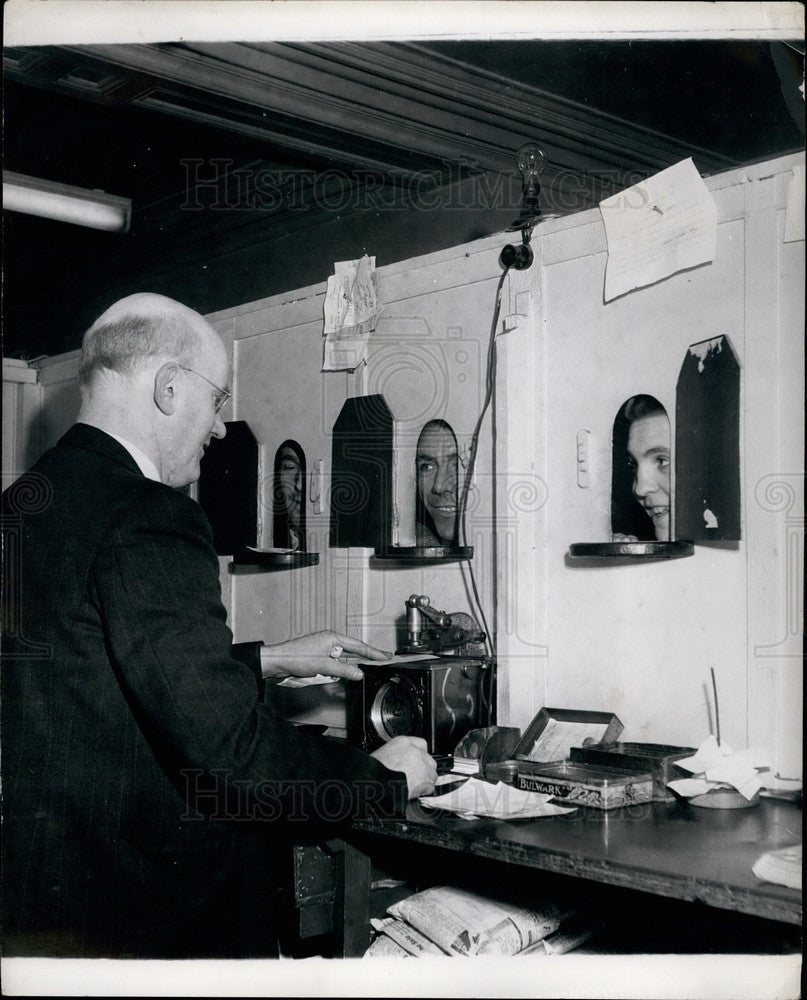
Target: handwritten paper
x,y
351,313
662,225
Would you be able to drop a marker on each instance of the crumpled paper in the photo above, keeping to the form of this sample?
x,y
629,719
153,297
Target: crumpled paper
x,y
716,765
351,313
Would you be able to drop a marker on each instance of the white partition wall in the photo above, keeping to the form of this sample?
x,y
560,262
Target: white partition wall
x,y
22,408
640,639
427,358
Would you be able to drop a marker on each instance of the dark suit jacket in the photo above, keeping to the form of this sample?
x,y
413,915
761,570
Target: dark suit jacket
x,y
142,772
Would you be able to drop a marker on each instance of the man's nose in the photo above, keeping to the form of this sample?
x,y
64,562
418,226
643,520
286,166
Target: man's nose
x,y
445,481
219,430
644,483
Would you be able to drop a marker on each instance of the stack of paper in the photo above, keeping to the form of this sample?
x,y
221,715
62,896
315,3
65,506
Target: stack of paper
x,y
782,866
465,765
500,801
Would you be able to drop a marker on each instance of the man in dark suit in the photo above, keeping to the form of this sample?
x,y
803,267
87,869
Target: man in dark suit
x,y
143,773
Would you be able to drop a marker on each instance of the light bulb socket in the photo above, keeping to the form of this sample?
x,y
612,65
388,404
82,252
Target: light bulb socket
x,y
519,257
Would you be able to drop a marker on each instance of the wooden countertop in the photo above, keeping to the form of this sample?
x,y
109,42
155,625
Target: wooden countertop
x,y
669,849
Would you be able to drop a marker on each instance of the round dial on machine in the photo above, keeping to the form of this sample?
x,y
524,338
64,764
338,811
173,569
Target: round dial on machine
x,y
395,710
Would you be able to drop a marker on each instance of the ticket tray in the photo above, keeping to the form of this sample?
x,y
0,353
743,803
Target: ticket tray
x,y
550,737
658,758
586,784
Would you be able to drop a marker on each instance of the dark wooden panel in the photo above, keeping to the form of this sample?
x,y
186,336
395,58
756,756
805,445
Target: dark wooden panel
x,y
228,488
707,443
361,474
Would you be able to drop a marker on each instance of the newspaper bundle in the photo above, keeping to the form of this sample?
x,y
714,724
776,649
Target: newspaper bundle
x,y
462,922
449,921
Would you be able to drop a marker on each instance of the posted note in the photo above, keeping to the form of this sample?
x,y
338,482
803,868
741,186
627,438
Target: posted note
x,y
664,224
351,313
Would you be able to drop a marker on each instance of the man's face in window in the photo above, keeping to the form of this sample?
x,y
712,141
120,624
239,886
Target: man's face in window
x,y
436,464
290,483
649,457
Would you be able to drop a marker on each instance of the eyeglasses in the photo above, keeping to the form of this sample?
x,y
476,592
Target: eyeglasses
x,y
222,395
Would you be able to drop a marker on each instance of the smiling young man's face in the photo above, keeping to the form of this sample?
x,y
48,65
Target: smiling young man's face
x,y
649,456
436,464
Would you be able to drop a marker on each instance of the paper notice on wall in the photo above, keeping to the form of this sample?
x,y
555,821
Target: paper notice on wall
x,y
351,313
662,225
794,211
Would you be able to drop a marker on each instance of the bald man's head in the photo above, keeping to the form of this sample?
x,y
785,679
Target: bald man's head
x,y
153,372
139,328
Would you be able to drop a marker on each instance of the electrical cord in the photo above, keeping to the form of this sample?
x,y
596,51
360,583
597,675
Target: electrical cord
x,y
490,388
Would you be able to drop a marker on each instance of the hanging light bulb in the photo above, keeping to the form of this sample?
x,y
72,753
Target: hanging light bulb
x,y
530,160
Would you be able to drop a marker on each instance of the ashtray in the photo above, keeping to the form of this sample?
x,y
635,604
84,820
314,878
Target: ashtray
x,y
723,798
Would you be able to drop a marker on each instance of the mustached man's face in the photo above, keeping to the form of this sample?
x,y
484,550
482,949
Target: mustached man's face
x,y
649,456
290,485
436,463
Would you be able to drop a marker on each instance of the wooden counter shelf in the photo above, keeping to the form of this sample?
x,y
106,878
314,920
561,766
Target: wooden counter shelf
x,y
653,851
668,849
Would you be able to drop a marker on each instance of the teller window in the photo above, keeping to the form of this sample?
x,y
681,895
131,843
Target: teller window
x,y
436,472
641,487
289,497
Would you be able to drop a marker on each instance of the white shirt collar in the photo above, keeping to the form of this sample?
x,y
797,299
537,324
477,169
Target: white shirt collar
x,y
144,463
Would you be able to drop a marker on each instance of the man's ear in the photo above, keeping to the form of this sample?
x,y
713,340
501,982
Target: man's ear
x,y
165,388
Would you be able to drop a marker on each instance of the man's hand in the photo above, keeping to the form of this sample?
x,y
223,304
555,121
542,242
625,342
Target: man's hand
x,y
409,754
618,537
318,653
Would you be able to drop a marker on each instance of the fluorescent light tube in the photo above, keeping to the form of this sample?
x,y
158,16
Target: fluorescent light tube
x,y
66,203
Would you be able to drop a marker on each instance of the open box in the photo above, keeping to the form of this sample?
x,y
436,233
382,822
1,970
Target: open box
x,y
658,758
549,739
